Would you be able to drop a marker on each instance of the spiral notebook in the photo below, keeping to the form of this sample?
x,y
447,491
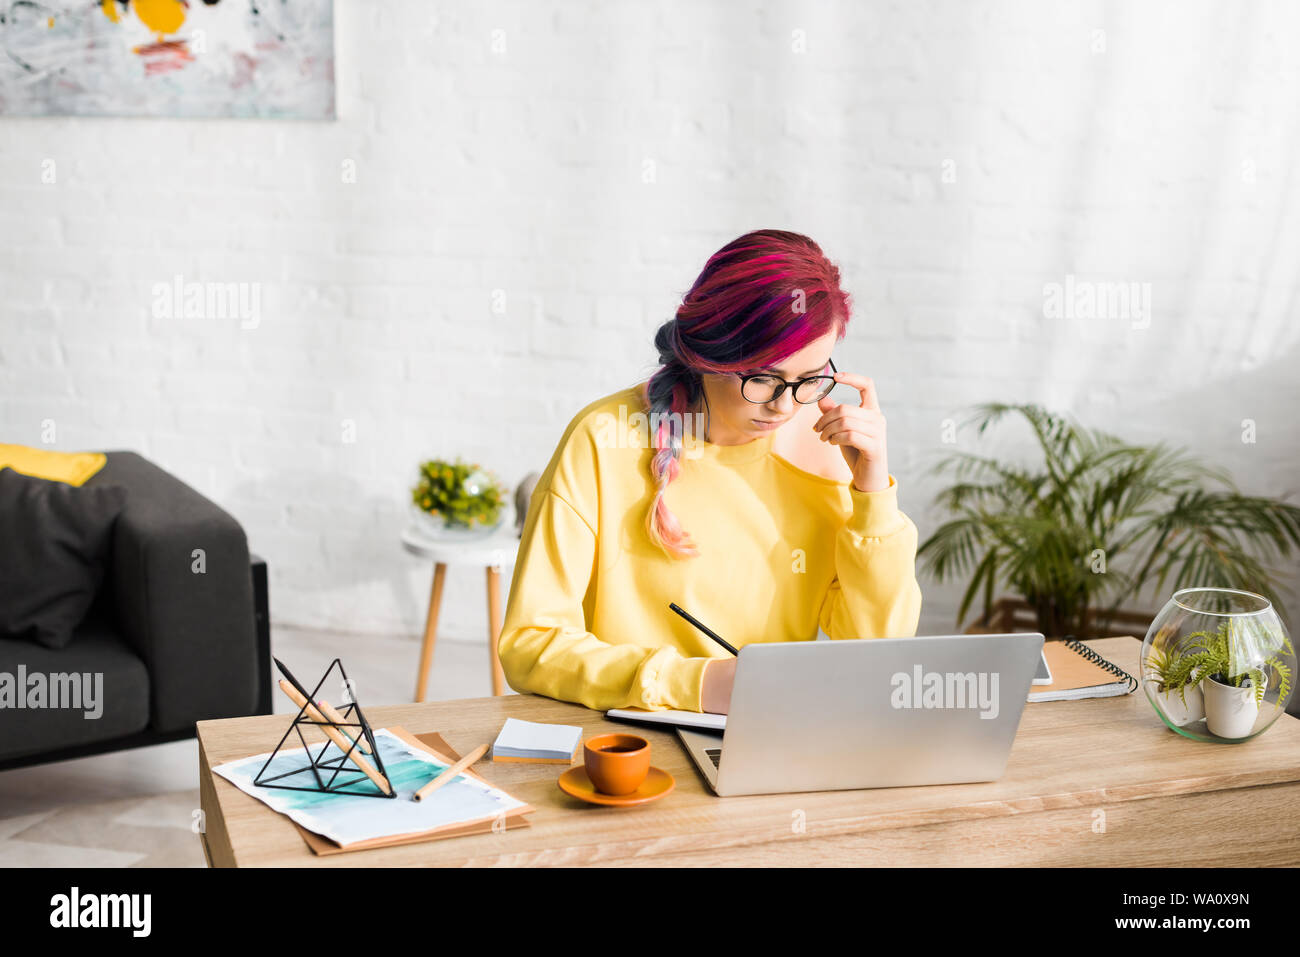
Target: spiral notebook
x,y
1079,672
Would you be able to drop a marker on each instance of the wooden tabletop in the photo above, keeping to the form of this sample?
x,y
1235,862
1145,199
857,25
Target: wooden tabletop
x,y
1069,757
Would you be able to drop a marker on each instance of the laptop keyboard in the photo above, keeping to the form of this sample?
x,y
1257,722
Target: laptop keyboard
x,y
715,755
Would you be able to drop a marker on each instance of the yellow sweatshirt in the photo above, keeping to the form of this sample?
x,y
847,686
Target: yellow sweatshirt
x,y
782,551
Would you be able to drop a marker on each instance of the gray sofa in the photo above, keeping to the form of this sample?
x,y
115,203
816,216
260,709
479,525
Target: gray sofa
x,y
173,646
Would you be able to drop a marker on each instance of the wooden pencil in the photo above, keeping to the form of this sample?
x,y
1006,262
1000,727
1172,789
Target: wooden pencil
x,y
328,710
451,772
341,742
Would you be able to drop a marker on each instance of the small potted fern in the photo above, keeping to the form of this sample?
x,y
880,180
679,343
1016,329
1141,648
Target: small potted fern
x,y
1177,687
1236,663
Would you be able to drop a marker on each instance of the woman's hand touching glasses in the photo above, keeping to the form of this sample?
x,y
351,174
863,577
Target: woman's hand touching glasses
x,y
859,431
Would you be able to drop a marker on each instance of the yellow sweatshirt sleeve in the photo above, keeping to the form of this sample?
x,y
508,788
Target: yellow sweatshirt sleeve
x,y
545,647
875,593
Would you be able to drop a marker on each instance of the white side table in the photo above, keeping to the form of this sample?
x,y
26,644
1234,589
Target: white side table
x,y
495,552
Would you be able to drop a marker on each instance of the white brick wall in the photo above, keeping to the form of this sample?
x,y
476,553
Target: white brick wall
x,y
1167,157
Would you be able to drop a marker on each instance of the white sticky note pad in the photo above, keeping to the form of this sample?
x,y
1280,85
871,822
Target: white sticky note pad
x,y
528,739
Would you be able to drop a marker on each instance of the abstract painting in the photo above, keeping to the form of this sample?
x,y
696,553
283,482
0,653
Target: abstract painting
x,y
347,818
182,58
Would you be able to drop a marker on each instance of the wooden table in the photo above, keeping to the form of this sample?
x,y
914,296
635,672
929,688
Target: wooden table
x,y
1097,782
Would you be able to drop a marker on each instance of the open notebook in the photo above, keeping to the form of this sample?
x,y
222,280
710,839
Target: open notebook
x,y
677,719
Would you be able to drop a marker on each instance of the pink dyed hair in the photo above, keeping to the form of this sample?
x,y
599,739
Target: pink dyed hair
x,y
743,312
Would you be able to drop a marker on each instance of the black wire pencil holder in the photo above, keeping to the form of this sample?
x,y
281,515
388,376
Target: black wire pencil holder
x,y
343,775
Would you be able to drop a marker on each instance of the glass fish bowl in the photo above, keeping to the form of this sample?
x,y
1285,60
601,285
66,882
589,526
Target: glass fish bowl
x,y
437,528
1218,665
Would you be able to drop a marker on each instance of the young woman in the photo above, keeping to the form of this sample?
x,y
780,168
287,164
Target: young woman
x,y
776,517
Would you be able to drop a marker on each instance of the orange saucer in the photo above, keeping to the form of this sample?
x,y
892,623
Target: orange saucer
x,y
656,784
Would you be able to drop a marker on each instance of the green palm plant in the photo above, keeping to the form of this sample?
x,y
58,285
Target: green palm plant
x,y
1097,521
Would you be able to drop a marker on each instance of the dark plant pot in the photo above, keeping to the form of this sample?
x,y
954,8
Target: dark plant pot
x,y
1009,615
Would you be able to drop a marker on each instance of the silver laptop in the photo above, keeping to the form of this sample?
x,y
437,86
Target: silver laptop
x,y
869,713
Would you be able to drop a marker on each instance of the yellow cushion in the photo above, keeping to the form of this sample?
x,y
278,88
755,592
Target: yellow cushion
x,y
70,467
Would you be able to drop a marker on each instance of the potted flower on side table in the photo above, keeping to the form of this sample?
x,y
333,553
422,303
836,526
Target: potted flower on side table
x,y
458,501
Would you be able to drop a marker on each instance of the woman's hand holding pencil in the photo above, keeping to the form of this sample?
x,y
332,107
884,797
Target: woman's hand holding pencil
x,y
719,674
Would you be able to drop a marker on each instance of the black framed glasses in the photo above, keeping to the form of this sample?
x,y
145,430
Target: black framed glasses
x,y
764,387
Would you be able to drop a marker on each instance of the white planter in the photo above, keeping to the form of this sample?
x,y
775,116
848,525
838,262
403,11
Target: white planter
x,y
1175,710
1230,712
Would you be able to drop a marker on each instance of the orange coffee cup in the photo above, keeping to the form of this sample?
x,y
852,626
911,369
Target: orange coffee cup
x,y
617,763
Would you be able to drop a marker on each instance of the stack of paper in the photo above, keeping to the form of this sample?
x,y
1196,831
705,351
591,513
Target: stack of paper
x,y
542,743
